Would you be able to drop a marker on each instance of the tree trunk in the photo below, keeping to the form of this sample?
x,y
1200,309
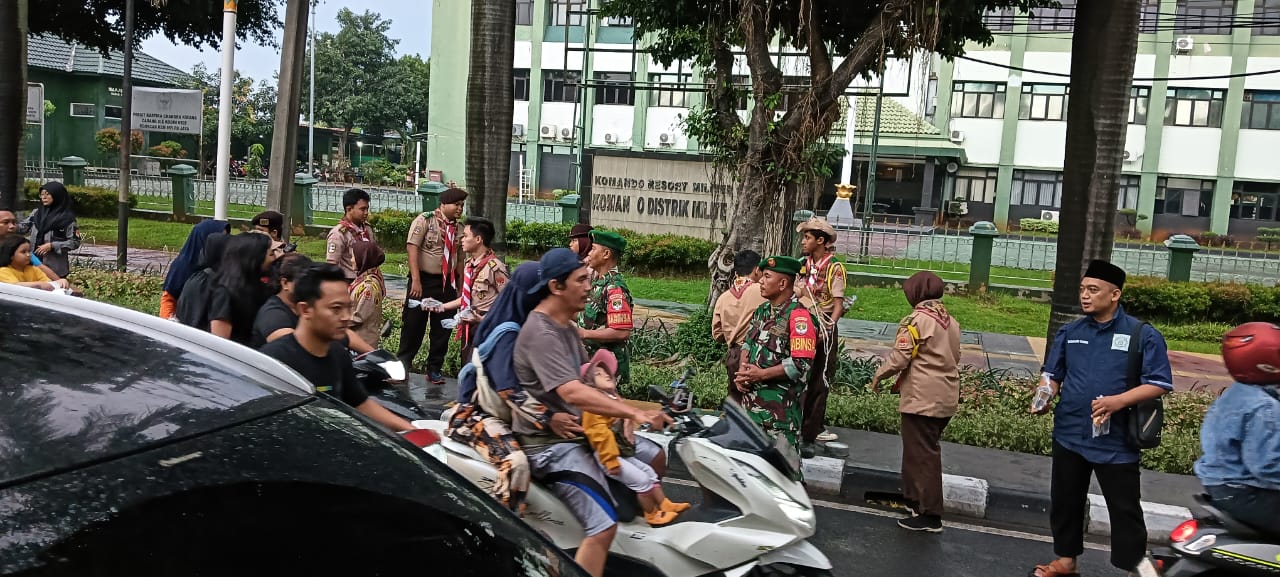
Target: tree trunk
x,y
489,111
13,100
1103,50
284,139
343,138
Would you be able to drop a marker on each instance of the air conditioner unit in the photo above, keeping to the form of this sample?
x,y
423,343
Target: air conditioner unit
x,y
1132,155
548,131
957,136
517,130
666,139
610,138
566,134
1049,215
1184,44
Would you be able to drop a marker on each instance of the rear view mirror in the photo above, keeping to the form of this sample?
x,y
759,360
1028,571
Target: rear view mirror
x,y
657,394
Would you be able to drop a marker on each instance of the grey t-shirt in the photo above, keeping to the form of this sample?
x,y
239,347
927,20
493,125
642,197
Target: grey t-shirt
x,y
547,355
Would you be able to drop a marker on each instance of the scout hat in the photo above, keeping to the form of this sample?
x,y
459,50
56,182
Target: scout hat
x,y
783,264
610,240
453,196
270,219
818,224
1105,271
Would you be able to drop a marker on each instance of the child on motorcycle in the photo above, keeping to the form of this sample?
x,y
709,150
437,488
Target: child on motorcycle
x,y
613,442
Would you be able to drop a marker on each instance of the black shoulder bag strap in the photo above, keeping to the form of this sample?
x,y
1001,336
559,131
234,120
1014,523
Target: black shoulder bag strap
x,y
1146,419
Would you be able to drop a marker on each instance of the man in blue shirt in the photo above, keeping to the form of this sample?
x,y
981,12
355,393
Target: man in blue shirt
x,y
1087,366
1240,468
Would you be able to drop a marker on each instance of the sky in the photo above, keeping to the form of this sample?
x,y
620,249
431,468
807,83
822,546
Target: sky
x,y
410,24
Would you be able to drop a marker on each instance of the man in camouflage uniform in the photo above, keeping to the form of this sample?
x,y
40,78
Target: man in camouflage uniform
x,y
778,352
606,321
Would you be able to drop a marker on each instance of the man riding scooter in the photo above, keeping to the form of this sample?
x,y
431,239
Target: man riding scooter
x,y
1240,437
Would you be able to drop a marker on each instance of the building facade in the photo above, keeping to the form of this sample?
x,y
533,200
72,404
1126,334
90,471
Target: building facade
x,y
981,137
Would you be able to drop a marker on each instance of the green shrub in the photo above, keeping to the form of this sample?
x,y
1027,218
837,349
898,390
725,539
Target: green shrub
x,y
1037,225
139,292
656,253
87,201
1228,301
392,227
1197,332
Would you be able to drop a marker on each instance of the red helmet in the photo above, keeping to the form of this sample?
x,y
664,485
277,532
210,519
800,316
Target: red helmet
x,y
1251,352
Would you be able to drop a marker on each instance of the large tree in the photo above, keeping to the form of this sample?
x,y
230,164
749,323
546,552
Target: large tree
x,y
253,105
770,157
1103,50
489,111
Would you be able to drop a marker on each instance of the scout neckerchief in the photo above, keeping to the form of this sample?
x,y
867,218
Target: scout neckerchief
x,y
360,232
815,278
468,280
448,235
740,286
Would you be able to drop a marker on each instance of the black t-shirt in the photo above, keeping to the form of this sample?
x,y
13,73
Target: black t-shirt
x,y
238,307
332,374
193,305
273,316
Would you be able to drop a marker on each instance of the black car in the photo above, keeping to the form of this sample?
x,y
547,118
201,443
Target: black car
x,y
135,446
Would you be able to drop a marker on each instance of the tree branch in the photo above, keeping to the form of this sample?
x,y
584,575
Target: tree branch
x,y
855,62
819,57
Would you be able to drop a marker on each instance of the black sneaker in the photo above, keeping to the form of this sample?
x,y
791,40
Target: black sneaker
x,y
808,451
435,378
927,523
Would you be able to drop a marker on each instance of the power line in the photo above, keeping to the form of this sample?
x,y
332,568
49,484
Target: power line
x,y
1164,79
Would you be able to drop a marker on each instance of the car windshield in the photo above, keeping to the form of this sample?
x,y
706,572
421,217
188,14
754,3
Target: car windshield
x,y
75,390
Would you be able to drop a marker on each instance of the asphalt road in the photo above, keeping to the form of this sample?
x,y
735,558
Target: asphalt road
x,y
867,542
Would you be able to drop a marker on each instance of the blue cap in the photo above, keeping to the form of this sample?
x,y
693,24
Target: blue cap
x,y
556,263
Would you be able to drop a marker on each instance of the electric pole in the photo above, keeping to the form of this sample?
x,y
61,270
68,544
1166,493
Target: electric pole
x,y
284,141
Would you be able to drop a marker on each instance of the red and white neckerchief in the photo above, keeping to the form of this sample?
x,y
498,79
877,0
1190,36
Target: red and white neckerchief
x,y
740,286
815,279
449,235
468,280
360,232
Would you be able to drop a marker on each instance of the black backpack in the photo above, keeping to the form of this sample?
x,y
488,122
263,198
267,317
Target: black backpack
x,y
1146,419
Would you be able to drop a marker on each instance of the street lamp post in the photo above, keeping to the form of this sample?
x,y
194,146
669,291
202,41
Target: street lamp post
x,y
311,97
126,142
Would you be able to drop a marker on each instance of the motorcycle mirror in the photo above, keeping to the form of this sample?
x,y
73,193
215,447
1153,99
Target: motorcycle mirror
x,y
657,394
395,370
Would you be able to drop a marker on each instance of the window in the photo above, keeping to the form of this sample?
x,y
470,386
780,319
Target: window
x,y
1266,18
623,21
520,80
560,12
668,90
1054,19
1184,197
976,185
1129,187
1194,107
978,100
793,89
1043,102
1139,97
1255,200
112,112
83,110
615,88
1205,16
743,85
1149,18
560,85
999,19
1036,188
524,12
1261,110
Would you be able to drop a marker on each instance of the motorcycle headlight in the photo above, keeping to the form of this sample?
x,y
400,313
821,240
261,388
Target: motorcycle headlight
x,y
796,511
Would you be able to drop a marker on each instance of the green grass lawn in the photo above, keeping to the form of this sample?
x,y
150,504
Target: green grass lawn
x,y
954,271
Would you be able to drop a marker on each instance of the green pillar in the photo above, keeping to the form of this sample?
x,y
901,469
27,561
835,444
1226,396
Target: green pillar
x,y
569,208
640,113
429,193
1155,117
984,236
533,147
184,191
1009,130
586,95
946,80
1182,251
1219,215
300,204
73,170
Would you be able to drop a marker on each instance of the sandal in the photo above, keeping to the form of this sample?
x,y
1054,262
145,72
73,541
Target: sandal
x,y
1053,569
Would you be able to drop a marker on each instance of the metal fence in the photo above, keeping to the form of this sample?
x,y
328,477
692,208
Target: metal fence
x,y
31,169
534,211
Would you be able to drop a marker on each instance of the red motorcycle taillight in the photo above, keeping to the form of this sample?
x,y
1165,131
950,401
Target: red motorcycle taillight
x,y
1183,532
422,437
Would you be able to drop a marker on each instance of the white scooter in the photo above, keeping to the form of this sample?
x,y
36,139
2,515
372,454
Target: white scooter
x,y
753,519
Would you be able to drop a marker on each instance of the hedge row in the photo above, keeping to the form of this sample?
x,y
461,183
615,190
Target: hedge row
x,y
1197,302
1037,225
648,252
87,201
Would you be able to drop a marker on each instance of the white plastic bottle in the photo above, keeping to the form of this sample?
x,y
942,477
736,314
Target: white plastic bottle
x,y
1044,393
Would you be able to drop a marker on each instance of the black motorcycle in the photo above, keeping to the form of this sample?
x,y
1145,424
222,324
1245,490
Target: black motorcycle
x,y
1213,543
385,379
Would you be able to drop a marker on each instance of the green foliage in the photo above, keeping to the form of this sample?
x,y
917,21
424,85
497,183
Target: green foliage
x,y
168,149
130,290
381,172
87,201
1037,225
1196,302
1268,235
253,109
663,341
108,141
392,226
194,23
645,252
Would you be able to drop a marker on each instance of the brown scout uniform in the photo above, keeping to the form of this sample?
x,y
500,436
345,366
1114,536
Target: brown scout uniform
x,y
730,321
820,288
338,246
427,234
488,281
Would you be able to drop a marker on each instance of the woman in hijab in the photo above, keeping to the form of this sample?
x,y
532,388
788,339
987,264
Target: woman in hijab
x,y
367,292
193,304
468,423
926,358
53,229
187,264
